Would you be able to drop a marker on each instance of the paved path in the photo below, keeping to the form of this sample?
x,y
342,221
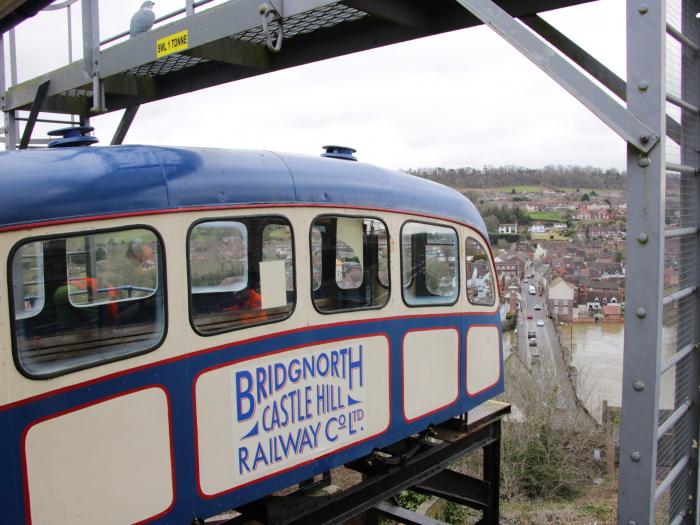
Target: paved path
x,y
551,360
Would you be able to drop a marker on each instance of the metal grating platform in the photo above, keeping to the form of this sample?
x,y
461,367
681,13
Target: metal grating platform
x,y
304,23
166,65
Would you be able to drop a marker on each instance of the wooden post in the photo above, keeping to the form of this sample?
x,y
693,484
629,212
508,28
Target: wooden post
x,y
609,442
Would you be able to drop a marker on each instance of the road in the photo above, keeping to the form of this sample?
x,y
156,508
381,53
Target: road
x,y
550,365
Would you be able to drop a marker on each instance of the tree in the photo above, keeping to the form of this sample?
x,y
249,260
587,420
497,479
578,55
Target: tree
x,y
491,222
513,191
619,257
585,197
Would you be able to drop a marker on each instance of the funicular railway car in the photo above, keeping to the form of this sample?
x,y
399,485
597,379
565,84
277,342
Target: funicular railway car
x,y
186,330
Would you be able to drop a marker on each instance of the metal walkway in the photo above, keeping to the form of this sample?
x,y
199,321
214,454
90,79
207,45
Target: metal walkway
x,y
222,44
656,111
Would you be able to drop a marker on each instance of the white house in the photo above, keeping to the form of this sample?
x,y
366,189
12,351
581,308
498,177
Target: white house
x,y
560,299
538,228
540,253
508,228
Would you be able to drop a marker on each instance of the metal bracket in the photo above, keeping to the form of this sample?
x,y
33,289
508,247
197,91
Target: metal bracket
x,y
618,118
124,125
33,114
268,14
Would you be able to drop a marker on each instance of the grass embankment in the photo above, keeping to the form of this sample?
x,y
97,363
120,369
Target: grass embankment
x,y
547,465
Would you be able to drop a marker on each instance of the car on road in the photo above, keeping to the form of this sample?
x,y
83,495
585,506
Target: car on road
x,y
540,322
524,281
532,342
538,307
529,315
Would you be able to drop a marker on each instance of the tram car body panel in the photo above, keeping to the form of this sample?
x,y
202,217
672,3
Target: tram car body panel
x,y
184,331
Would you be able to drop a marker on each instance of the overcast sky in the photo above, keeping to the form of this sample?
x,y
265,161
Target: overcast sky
x,y
460,99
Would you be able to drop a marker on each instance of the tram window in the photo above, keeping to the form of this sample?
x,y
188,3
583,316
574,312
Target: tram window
x,y
101,299
349,263
241,273
429,264
480,287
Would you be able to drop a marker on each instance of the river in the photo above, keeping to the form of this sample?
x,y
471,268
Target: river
x,y
597,356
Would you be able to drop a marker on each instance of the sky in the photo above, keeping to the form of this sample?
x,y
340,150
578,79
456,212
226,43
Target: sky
x,y
465,98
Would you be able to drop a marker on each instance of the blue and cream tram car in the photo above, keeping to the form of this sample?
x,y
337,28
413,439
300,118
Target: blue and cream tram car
x,y
183,331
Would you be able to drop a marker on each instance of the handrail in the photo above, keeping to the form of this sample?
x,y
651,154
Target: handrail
x,y
671,477
673,419
675,358
158,20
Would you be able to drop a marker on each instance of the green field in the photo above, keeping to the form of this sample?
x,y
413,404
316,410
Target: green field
x,y
551,216
555,236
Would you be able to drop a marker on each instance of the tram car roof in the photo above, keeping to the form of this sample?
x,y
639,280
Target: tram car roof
x,y
59,184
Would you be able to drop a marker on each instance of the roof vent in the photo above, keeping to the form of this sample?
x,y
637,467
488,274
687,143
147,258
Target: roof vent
x,y
72,136
339,152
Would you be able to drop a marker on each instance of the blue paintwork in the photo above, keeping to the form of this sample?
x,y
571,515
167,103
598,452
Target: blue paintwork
x,y
177,377
65,183
72,136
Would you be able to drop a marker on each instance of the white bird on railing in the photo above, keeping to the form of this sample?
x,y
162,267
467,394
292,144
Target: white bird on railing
x,y
143,19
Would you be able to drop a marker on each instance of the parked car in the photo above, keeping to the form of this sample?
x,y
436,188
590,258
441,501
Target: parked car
x,y
540,322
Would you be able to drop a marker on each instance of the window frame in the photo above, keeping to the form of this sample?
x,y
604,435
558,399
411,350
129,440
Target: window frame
x,y
311,268
238,218
11,284
494,276
458,268
40,238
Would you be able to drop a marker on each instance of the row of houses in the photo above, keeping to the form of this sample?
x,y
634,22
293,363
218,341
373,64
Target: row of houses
x,y
592,298
578,279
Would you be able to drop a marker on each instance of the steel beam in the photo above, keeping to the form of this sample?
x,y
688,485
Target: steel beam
x,y
401,515
382,484
395,11
34,114
9,121
591,65
646,88
621,121
92,60
124,125
458,488
236,52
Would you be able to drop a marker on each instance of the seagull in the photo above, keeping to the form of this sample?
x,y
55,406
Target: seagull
x,y
143,19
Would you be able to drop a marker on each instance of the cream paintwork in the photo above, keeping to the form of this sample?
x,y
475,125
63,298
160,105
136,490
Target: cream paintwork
x,y
483,358
181,339
219,434
430,371
92,465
